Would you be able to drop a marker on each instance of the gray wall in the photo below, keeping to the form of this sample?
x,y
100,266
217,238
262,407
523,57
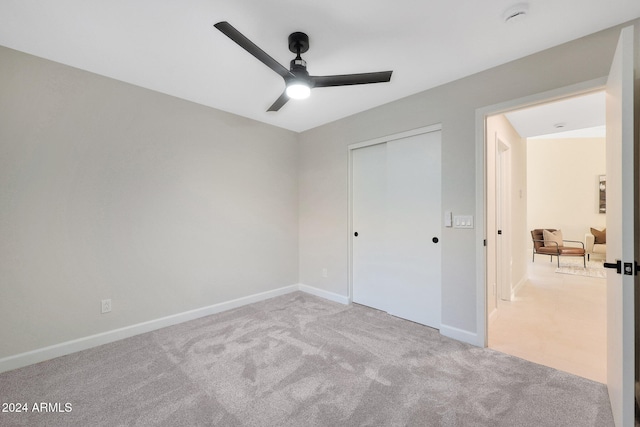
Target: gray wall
x,y
112,191
324,168
108,190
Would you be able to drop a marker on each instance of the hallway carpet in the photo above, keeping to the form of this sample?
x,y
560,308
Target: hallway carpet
x,y
298,360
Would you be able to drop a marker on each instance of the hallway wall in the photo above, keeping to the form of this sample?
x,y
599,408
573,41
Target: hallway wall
x,y
562,179
499,127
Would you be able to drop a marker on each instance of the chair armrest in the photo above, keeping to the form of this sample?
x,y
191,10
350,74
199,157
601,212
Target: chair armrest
x,y
589,240
575,241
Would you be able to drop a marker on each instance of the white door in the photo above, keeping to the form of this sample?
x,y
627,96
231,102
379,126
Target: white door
x,y
396,214
369,211
620,230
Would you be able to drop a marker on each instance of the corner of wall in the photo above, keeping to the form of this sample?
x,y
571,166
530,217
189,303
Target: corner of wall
x,y
461,335
331,296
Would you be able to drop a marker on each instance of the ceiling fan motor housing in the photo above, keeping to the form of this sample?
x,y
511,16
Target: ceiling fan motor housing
x,y
299,67
299,43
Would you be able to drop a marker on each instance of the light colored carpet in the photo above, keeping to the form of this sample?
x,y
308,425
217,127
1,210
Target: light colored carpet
x,y
298,360
576,267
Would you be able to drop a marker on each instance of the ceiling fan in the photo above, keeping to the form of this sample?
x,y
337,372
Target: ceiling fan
x,y
297,80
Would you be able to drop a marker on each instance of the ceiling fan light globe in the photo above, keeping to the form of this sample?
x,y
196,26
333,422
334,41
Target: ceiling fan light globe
x,y
298,90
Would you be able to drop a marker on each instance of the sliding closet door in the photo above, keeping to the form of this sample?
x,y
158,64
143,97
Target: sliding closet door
x,y
369,201
396,214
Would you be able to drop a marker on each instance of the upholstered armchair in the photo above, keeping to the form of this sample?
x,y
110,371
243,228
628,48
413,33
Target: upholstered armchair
x,y
550,242
595,243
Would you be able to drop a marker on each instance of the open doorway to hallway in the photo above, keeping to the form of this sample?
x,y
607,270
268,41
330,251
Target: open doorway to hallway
x,y
543,168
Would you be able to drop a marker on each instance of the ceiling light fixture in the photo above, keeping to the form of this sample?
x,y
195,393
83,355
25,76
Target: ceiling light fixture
x,y
299,87
516,13
298,90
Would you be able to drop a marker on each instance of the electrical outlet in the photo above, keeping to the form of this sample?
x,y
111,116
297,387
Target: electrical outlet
x,y
106,306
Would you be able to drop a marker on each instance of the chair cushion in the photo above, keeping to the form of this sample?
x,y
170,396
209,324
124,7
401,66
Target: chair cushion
x,y
561,250
567,250
552,237
548,250
601,236
600,249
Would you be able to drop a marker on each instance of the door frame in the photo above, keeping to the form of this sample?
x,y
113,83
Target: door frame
x,y
481,182
367,143
503,219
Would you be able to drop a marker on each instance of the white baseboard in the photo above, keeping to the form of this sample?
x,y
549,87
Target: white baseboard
x,y
448,331
68,347
331,296
517,287
461,335
492,315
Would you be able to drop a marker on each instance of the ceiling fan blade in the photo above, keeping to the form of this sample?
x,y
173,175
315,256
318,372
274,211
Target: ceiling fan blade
x,y
351,79
235,35
279,102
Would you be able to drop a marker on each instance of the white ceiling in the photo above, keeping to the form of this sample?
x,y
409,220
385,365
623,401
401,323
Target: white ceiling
x,y
576,117
171,46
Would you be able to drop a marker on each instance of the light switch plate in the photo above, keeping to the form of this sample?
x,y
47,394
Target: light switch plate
x,y
463,221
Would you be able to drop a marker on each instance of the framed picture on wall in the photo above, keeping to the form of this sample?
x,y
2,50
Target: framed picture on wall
x,y
602,191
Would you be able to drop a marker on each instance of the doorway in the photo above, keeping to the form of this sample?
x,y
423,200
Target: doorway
x,y
623,238
395,225
540,313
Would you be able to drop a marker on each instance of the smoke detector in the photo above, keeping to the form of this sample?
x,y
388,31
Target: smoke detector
x,y
516,13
